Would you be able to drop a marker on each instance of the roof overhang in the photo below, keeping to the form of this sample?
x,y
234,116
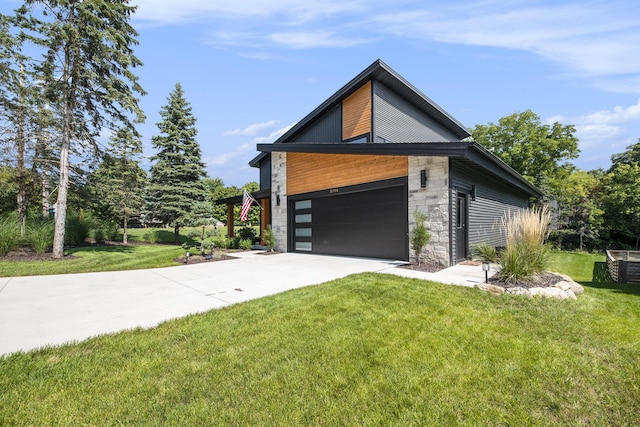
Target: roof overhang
x,y
470,151
236,200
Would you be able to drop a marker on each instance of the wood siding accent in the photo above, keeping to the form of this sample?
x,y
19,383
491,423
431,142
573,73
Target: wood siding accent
x,y
308,172
356,113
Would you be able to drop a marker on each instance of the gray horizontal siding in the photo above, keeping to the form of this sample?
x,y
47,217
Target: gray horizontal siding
x,y
396,120
494,199
327,128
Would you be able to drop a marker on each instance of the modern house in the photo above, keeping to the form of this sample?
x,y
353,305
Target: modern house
x,y
347,178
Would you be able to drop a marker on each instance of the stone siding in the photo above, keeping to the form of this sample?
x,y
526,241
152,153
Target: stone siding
x,y
433,201
279,188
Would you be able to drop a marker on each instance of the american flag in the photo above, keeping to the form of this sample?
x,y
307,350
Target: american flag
x,y
247,201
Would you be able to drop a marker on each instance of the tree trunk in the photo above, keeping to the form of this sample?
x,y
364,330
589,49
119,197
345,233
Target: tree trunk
x,y
67,120
176,233
20,173
125,239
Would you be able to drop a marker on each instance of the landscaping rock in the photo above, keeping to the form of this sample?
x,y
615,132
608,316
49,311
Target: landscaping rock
x,y
518,290
552,292
495,290
564,285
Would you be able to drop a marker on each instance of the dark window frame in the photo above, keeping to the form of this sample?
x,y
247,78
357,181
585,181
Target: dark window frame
x,y
360,139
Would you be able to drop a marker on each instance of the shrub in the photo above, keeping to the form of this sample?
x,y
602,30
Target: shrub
x,y
98,235
269,239
76,231
220,242
152,236
247,233
245,244
212,232
486,252
419,236
41,236
526,253
194,233
9,235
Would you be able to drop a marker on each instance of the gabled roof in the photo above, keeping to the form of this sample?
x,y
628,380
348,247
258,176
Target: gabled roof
x,y
386,75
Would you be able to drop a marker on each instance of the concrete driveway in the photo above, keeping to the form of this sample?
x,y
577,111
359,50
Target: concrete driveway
x,y
37,311
50,310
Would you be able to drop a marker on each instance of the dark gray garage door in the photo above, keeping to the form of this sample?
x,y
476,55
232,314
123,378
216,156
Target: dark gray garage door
x,y
371,223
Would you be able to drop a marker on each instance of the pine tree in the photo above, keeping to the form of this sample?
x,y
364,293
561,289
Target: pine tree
x,y
87,75
176,183
118,184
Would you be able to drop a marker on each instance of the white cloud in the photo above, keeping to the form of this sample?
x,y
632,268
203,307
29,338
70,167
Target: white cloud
x,y
314,39
273,136
252,130
598,38
291,11
608,127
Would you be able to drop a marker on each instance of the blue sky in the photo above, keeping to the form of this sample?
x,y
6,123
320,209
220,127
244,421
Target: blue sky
x,y
253,68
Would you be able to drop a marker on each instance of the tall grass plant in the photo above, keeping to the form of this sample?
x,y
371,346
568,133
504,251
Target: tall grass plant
x,y
9,234
40,235
526,253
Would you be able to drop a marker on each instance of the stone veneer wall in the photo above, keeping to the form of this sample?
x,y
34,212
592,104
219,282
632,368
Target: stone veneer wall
x,y
434,202
279,188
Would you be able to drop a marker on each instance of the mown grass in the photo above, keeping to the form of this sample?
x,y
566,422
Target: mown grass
x,y
368,349
96,258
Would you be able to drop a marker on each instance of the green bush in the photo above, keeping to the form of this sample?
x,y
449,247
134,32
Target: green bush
x,y
269,239
41,235
419,235
99,235
486,252
247,233
194,233
245,244
526,253
212,232
77,230
152,236
9,235
219,242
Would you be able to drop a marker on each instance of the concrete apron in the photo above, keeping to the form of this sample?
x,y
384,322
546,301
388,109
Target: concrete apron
x,y
40,311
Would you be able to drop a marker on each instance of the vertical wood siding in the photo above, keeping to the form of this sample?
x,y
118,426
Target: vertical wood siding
x,y
312,172
356,113
396,120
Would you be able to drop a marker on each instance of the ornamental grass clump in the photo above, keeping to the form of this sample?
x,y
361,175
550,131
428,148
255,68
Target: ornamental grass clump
x,y
41,236
526,253
9,234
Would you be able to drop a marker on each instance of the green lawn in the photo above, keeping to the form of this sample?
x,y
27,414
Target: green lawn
x,y
97,258
369,349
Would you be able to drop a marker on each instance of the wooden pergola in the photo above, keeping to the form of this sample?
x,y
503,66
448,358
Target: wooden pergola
x,y
263,197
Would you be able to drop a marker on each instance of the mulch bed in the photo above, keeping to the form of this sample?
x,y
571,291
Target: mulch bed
x,y
197,259
28,254
545,280
424,266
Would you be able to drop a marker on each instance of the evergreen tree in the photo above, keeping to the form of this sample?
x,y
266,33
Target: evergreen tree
x,y
87,75
118,184
176,183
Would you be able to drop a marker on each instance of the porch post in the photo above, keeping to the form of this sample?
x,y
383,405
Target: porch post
x,y
230,232
265,218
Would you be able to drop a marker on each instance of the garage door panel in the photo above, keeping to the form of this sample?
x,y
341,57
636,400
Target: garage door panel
x,y
370,223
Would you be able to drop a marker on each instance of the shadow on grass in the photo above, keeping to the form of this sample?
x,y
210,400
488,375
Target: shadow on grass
x,y
601,279
104,249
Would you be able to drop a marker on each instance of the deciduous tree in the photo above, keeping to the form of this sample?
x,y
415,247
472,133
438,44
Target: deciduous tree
x,y
535,150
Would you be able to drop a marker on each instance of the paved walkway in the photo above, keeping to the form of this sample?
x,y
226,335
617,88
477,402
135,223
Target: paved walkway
x,y
51,310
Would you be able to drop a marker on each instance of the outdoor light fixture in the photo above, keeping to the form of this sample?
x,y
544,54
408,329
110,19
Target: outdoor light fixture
x,y
485,268
473,192
277,200
423,178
